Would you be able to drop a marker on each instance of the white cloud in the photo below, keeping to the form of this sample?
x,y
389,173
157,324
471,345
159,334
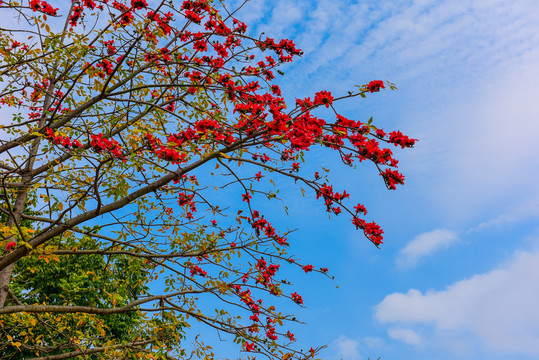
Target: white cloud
x,y
527,208
346,348
497,310
425,244
407,336
374,342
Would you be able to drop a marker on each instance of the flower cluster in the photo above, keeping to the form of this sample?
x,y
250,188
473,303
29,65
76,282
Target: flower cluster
x,y
261,225
266,274
196,270
100,144
297,298
285,49
43,6
194,10
323,97
65,141
326,191
375,86
372,231
399,139
167,153
17,45
106,66
78,10
392,178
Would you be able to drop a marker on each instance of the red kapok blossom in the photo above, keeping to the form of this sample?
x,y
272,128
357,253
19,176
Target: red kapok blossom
x,y
249,347
373,232
139,4
10,245
392,178
43,6
197,270
323,97
398,138
297,298
290,336
375,85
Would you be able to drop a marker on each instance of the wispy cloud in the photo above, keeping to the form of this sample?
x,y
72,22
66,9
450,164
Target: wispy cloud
x,y
425,244
374,342
496,310
407,336
346,348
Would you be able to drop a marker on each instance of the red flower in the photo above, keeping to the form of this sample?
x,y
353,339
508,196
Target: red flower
x,y
392,178
323,97
296,298
360,208
308,268
249,347
380,133
43,6
290,336
373,232
11,245
375,85
197,270
139,4
398,138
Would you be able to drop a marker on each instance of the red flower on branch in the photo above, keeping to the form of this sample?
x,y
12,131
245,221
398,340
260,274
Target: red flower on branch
x,y
375,86
196,270
392,178
296,298
323,97
43,6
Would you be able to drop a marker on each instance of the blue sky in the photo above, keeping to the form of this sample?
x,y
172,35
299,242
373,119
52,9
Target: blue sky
x,y
457,276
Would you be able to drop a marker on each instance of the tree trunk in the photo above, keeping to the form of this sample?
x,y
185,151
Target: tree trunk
x,y
22,194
